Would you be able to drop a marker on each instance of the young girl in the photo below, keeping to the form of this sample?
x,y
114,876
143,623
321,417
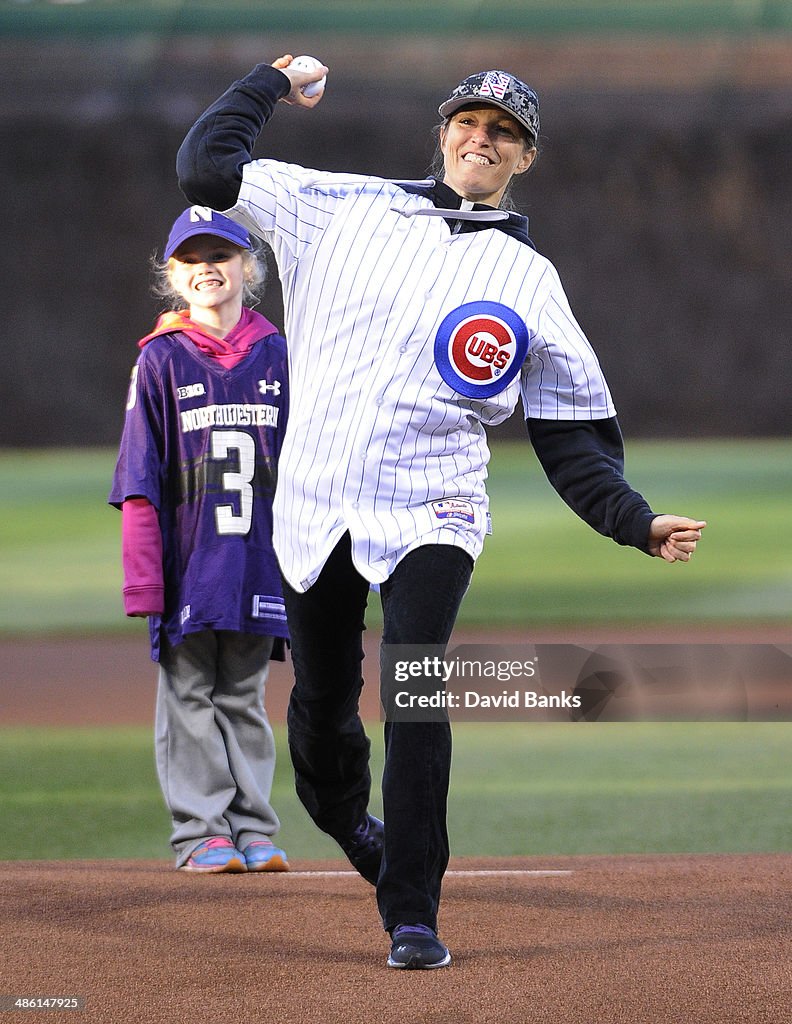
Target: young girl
x,y
195,477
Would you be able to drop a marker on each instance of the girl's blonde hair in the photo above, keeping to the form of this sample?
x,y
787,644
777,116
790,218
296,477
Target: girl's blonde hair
x,y
253,271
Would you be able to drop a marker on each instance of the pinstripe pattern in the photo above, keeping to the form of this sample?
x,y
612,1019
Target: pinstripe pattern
x,y
374,433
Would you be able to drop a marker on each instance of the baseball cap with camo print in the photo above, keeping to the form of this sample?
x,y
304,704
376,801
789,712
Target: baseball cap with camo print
x,y
500,89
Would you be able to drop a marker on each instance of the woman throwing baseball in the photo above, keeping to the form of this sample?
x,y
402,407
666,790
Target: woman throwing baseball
x,y
418,313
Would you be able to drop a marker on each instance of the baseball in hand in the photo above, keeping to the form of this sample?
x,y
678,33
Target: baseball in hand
x,y
306,63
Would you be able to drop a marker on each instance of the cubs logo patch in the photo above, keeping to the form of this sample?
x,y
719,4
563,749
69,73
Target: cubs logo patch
x,y
480,347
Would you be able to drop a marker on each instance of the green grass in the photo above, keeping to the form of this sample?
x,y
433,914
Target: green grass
x,y
76,793
532,789
542,565
621,788
60,545
517,788
60,562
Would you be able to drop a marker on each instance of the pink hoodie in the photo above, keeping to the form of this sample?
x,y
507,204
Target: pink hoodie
x,y
229,351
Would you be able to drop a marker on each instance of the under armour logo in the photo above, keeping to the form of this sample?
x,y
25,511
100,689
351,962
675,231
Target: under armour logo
x,y
264,387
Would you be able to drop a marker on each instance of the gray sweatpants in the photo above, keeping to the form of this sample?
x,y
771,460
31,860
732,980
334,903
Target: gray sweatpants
x,y
215,750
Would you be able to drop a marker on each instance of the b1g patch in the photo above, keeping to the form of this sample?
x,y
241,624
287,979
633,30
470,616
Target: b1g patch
x,y
454,508
480,347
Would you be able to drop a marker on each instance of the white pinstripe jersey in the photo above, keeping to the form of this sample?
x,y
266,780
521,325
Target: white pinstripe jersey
x,y
378,444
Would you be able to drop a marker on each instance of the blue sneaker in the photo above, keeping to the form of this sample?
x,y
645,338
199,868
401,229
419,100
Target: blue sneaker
x,y
263,855
417,948
215,855
364,848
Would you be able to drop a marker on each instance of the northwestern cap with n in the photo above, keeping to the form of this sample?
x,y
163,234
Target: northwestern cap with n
x,y
500,89
200,220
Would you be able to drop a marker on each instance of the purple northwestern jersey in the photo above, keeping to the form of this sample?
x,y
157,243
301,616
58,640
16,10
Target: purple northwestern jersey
x,y
201,443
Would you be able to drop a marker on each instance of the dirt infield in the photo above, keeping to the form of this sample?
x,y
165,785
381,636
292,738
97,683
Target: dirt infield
x,y
559,940
629,940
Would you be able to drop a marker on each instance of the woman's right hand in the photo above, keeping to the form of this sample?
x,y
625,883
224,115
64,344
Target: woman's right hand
x,y
299,79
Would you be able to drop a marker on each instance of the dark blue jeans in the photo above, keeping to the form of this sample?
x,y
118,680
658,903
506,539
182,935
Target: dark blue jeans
x,y
328,744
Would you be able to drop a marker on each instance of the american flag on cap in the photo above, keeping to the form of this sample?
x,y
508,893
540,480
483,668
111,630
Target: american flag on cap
x,y
496,83
501,90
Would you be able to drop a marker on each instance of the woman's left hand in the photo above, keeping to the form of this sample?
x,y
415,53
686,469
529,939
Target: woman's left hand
x,y
674,538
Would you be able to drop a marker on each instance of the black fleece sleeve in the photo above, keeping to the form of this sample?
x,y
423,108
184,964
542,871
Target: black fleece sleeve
x,y
584,461
210,160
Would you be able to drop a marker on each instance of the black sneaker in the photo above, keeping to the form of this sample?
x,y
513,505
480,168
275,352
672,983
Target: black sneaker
x,y
416,948
364,848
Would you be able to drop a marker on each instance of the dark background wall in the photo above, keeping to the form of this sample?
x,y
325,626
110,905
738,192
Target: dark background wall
x,y
663,195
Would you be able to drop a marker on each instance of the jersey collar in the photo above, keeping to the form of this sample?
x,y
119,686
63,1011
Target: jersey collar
x,y
447,201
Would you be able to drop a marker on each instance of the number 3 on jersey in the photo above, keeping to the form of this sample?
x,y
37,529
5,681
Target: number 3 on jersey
x,y
222,444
